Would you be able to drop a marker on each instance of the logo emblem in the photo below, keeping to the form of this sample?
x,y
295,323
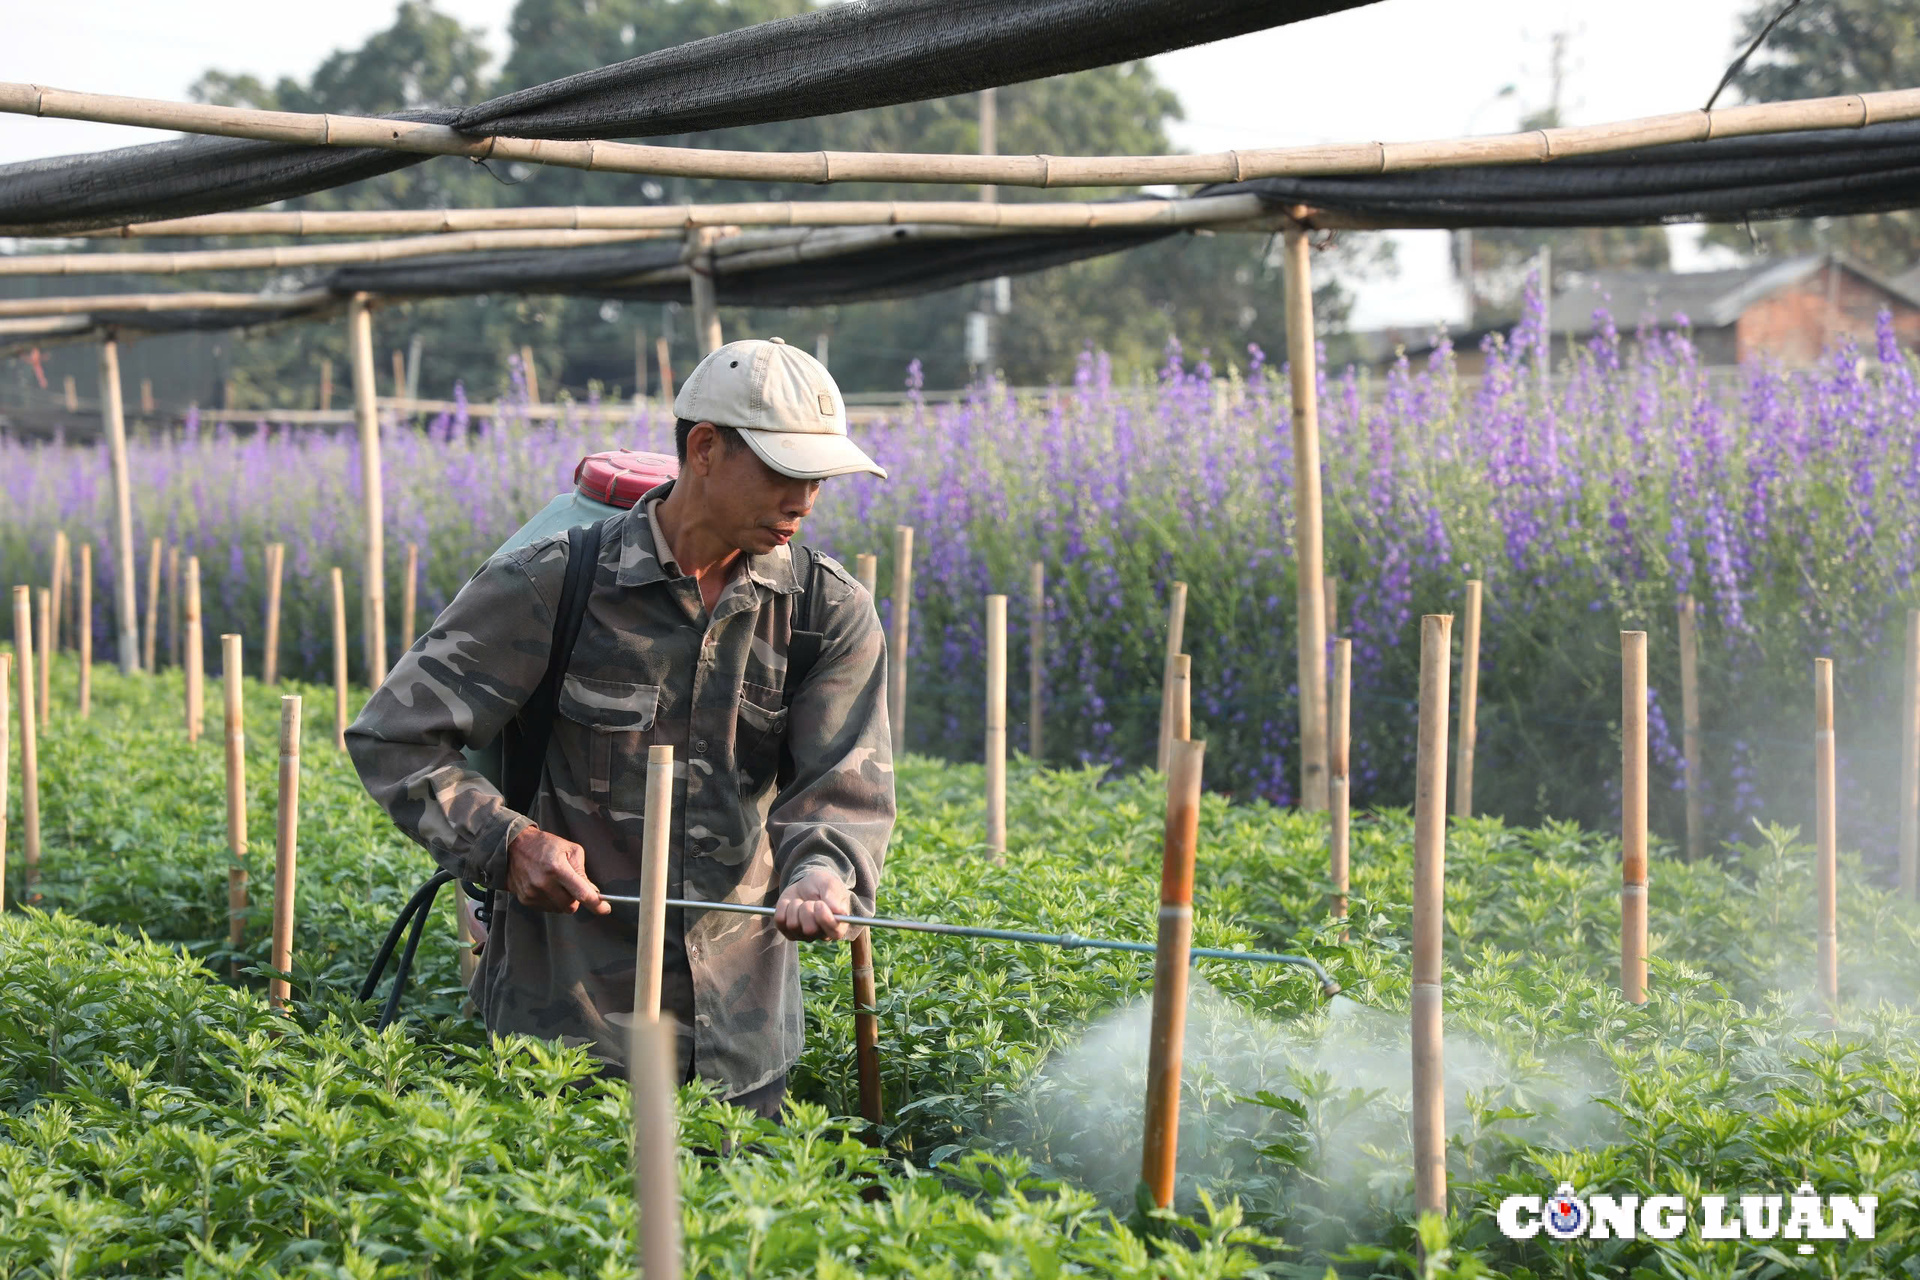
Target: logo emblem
x,y
1566,1216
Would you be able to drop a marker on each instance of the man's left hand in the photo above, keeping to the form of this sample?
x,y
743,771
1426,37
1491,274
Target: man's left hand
x,y
807,909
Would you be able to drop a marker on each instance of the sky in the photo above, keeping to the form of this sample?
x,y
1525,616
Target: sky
x,y
1394,70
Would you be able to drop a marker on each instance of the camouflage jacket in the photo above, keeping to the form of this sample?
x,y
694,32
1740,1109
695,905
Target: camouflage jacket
x,y
651,667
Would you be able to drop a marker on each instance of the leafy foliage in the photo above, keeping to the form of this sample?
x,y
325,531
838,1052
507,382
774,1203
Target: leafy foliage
x,y
156,1121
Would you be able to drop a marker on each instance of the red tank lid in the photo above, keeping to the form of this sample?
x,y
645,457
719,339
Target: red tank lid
x,y
619,476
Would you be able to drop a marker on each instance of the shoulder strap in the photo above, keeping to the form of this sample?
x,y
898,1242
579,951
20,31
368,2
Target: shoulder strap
x,y
803,647
525,755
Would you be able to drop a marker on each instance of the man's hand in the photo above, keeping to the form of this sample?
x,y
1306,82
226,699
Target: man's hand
x,y
547,873
807,909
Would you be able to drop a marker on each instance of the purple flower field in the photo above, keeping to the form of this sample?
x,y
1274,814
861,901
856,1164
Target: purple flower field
x,y
1587,499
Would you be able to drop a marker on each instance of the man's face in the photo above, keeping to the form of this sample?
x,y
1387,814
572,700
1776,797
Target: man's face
x,y
747,502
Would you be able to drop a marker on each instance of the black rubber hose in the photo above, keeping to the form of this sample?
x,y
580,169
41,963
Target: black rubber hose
x,y
417,905
406,960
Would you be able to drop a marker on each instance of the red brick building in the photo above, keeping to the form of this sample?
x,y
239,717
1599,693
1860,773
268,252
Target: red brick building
x,y
1789,311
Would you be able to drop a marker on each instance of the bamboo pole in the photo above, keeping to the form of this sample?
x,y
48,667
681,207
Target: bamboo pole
x,y
146,396
1192,211
1180,722
1333,606
1633,816
1909,789
83,633
1176,639
72,394
1533,146
326,385
997,727
1036,659
410,598
44,621
86,304
1690,729
866,571
1429,917
6,715
151,660
866,1028
897,642
196,661
656,1173
663,354
276,566
1170,962
399,374
1469,733
655,851
1339,798
236,745
531,372
29,736
57,580
1826,832
1309,546
173,606
281,258
285,850
706,307
339,659
373,581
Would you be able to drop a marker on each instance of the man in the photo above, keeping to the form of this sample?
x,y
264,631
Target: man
x,y
684,643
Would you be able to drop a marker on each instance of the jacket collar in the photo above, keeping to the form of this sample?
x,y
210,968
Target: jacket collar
x,y
643,560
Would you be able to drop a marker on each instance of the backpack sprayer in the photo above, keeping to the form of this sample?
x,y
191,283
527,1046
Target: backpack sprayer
x,y
607,483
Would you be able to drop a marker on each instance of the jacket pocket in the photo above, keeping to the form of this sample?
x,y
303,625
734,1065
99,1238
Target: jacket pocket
x,y
607,709
759,730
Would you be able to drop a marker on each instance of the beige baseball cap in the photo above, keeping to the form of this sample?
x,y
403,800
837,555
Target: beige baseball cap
x,y
782,401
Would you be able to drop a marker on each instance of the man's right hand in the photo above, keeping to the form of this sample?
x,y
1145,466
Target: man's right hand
x,y
547,873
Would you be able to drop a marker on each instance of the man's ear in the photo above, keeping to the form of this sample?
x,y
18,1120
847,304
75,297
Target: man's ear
x,y
701,443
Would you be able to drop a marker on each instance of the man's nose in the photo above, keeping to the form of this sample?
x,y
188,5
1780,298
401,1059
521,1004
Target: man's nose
x,y
799,504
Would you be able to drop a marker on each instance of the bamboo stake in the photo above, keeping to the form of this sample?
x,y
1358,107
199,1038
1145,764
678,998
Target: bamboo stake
x,y
706,308
1533,146
61,596
29,738
373,581
1339,728
1176,638
1333,606
1469,704
866,1028
663,355
410,598
655,851
399,374
72,394
1690,729
450,224
146,396
326,385
866,570
236,743
1826,832
1180,722
151,659
1633,816
196,661
83,633
530,372
902,619
6,715
1309,546
1909,789
44,596
656,1141
1036,659
339,659
276,565
1170,961
1429,917
285,850
173,606
997,727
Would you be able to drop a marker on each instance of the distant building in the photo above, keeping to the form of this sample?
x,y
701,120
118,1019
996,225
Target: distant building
x,y
1788,311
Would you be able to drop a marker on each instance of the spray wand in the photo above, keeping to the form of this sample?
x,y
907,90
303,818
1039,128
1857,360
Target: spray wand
x,y
1069,941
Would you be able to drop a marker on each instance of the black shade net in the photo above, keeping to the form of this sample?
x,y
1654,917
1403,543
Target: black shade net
x,y
1811,173
846,57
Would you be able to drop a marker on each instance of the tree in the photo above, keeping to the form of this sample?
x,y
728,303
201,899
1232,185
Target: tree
x,y
1824,50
